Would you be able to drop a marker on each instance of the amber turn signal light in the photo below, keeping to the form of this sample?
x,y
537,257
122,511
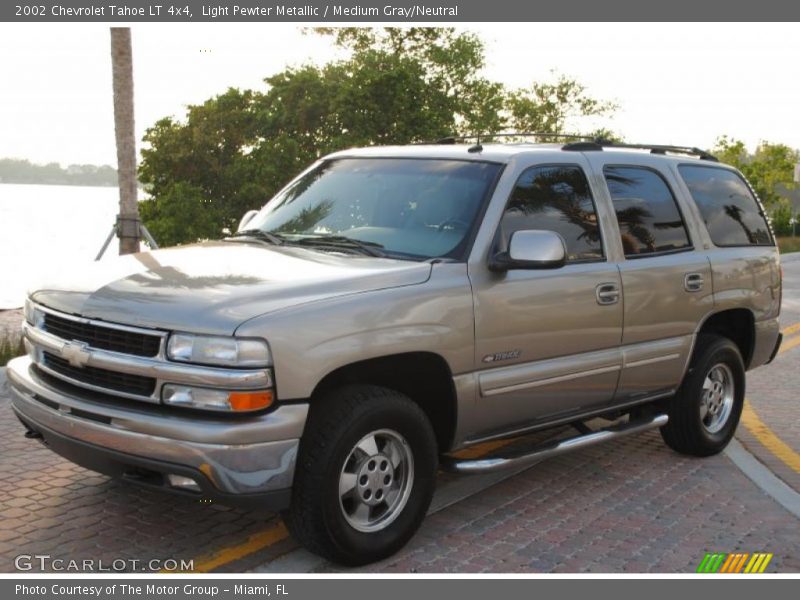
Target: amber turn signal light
x,y
250,400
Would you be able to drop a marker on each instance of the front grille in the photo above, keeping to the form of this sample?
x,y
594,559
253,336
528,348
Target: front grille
x,y
109,380
105,338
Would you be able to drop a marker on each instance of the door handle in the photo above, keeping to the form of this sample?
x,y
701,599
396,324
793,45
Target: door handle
x,y
693,282
607,293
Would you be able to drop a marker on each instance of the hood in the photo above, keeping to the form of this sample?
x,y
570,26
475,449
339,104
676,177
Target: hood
x,y
215,286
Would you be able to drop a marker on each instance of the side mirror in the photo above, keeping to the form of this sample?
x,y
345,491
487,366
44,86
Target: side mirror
x,y
531,249
248,216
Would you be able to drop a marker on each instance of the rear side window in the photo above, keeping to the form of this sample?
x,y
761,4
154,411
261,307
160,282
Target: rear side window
x,y
649,219
729,209
556,198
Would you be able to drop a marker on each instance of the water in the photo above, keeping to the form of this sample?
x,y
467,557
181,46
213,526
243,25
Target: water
x,y
50,227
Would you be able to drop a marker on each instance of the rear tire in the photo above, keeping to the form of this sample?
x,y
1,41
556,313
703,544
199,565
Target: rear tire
x,y
705,411
365,475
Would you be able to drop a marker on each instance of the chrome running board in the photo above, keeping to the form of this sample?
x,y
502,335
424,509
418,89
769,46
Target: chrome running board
x,y
526,457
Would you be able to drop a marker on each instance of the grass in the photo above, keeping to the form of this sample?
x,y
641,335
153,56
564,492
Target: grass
x,y
789,244
10,349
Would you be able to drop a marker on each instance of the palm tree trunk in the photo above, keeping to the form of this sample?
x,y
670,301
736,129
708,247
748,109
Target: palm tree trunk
x,y
122,71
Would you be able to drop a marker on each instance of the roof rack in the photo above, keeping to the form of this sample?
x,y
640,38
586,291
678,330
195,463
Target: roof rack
x,y
455,139
584,143
598,145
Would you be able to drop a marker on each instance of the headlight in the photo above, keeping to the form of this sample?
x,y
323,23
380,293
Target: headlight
x,y
223,351
33,315
223,400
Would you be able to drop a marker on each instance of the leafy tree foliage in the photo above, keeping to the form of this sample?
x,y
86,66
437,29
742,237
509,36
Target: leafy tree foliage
x,y
15,170
768,169
398,86
551,106
769,166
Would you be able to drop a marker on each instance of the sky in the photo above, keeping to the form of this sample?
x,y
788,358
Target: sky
x,y
681,84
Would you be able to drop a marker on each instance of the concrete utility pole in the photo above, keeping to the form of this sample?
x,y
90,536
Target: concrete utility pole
x,y
122,70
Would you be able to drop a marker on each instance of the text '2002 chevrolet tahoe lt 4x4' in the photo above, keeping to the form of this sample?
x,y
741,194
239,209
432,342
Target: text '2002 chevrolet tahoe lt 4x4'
x,y
393,305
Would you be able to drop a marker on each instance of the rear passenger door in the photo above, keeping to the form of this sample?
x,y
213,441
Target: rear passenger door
x,y
666,280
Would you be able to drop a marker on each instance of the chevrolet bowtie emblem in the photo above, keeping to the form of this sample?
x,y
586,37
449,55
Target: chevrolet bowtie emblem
x,y
76,353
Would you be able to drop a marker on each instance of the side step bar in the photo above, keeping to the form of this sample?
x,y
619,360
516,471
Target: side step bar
x,y
548,449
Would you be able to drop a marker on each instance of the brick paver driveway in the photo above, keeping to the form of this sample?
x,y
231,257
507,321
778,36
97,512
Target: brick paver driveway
x,y
628,506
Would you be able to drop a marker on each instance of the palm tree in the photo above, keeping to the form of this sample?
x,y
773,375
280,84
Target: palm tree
x,y
122,71
735,213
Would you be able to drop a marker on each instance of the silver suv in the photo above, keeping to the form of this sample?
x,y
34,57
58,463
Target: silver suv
x,y
393,305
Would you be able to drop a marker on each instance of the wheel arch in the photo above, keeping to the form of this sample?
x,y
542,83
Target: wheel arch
x,y
736,324
425,377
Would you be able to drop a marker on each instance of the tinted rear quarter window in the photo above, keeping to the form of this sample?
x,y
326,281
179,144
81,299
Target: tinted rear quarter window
x,y
729,209
649,219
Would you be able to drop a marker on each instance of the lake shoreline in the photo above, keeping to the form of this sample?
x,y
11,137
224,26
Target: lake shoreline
x,y
57,183
67,183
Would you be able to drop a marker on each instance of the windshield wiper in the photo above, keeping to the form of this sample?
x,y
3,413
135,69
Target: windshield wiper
x,y
340,241
260,234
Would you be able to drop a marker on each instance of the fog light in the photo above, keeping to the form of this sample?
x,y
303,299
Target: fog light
x,y
222,400
183,483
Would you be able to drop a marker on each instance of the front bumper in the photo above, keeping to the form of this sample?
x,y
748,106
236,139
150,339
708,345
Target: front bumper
x,y
247,461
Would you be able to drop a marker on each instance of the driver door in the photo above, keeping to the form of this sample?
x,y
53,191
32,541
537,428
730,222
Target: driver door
x,y
547,340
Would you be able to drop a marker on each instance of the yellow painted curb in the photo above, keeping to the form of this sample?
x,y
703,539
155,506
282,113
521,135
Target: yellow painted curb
x,y
254,543
768,439
791,329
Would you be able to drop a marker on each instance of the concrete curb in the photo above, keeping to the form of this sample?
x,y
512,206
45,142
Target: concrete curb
x,y
765,479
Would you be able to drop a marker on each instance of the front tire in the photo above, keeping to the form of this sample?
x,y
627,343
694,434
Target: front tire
x,y
705,411
365,475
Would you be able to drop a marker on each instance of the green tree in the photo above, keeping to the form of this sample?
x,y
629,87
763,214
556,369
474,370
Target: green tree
x,y
451,63
781,214
179,213
552,107
203,162
397,86
766,169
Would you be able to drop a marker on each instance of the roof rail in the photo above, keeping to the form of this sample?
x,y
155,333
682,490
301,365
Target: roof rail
x,y
454,139
597,145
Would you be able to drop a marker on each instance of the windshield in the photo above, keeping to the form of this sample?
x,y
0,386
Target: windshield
x,y
409,208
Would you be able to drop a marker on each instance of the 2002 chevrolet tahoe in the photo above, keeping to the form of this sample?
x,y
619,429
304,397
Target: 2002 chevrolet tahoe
x,y
392,305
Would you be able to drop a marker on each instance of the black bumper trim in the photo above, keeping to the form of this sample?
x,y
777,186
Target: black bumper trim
x,y
148,472
776,349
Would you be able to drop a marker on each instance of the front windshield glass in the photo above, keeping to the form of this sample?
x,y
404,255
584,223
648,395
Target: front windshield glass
x,y
409,208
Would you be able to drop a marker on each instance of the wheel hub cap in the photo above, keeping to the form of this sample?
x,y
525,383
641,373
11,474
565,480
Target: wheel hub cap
x,y
718,395
376,480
